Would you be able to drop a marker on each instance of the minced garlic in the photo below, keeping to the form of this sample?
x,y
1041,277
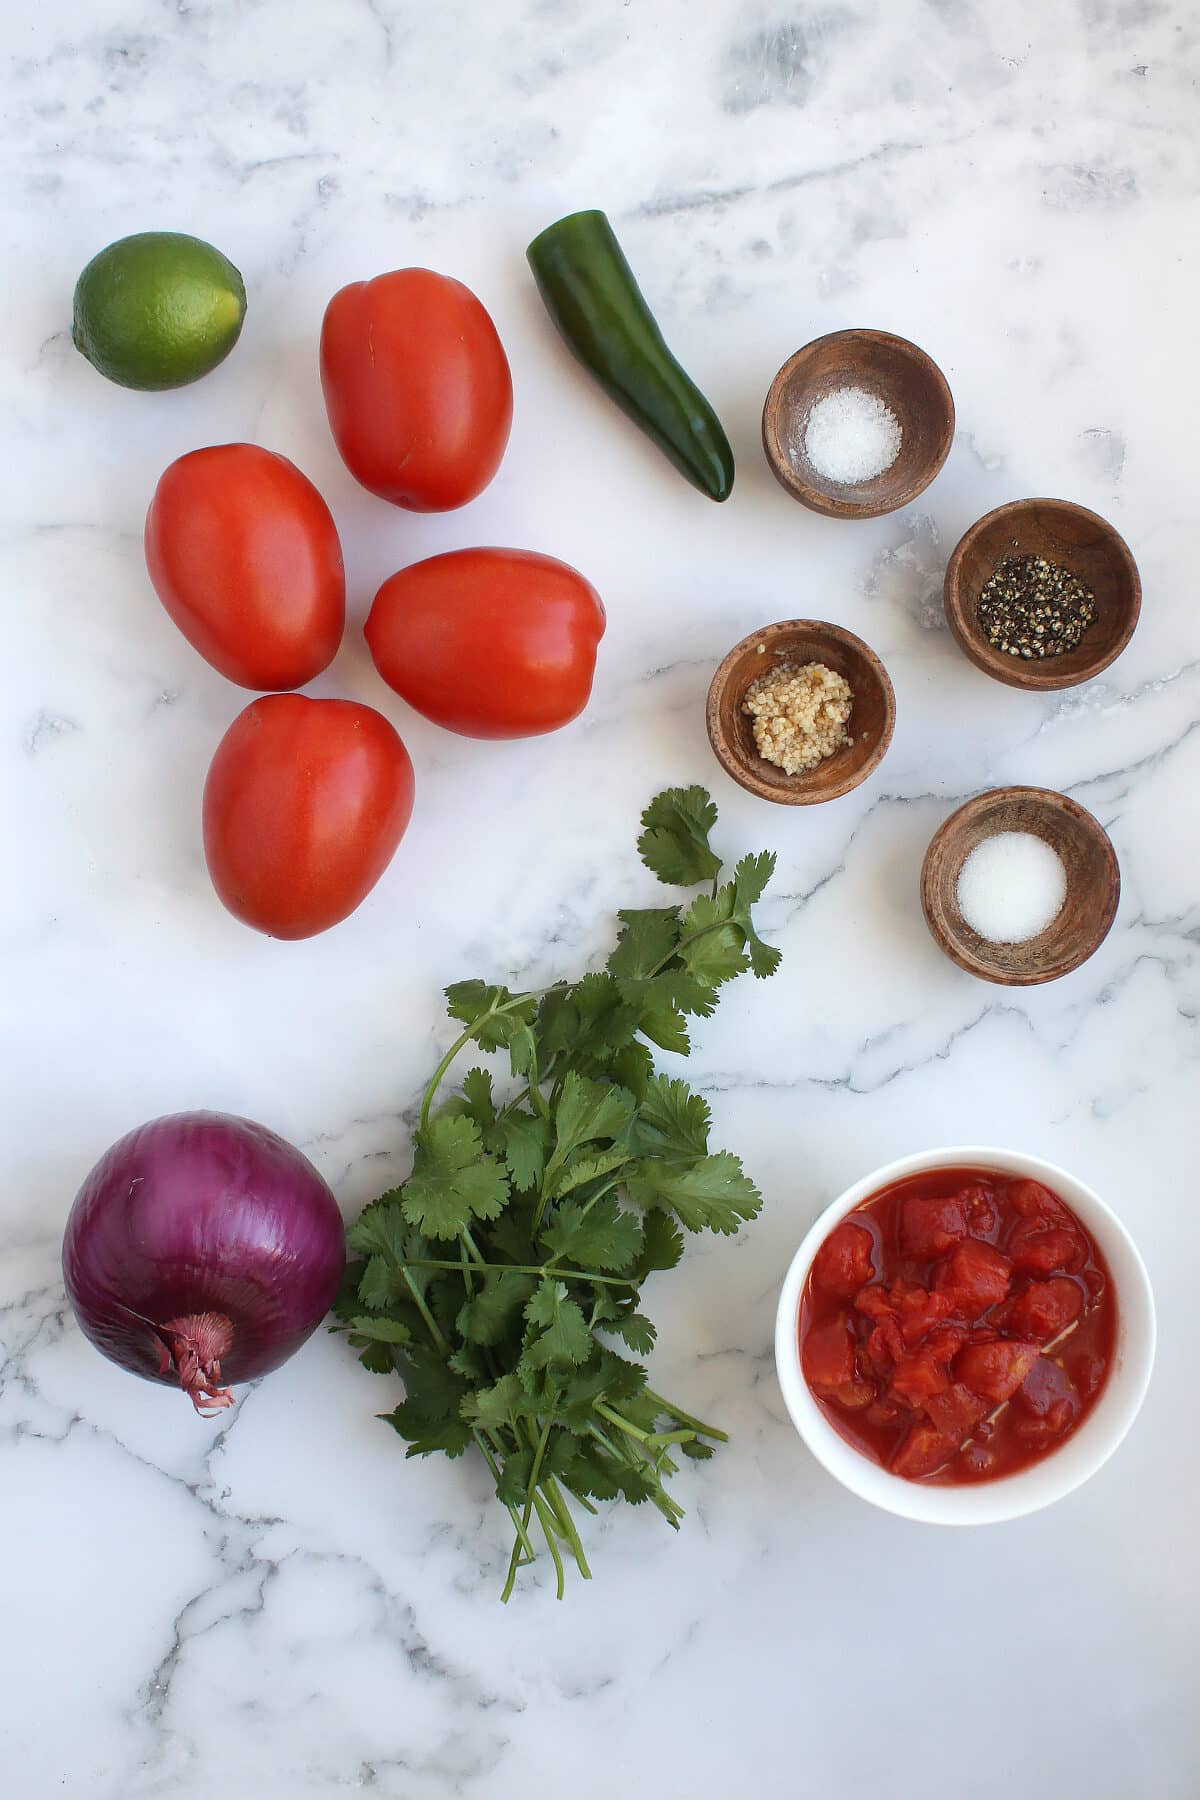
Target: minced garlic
x,y
800,715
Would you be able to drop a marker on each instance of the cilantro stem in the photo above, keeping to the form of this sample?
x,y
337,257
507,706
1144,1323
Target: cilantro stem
x,y
562,1512
460,1043
514,1562
547,1523
476,1258
523,1539
676,1412
614,1418
435,1331
536,1470
523,1269
691,938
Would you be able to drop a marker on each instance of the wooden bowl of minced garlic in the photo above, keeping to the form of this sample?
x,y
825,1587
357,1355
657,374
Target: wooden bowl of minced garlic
x,y
800,712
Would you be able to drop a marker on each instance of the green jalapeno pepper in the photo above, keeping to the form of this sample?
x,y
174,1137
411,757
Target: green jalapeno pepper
x,y
591,295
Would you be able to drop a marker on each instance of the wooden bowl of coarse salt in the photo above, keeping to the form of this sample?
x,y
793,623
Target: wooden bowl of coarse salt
x,y
1020,886
857,423
800,712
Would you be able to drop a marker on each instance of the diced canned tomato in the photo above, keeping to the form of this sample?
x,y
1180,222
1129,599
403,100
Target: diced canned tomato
x,y
1033,1201
996,1370
916,1378
930,1227
926,1319
1037,1249
957,1411
1045,1308
828,1355
975,1276
979,1210
923,1452
844,1263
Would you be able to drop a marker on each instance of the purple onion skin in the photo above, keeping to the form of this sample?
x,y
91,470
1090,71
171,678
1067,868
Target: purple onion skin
x,y
205,1219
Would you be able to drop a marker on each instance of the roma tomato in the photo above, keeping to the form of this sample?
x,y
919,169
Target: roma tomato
x,y
417,388
244,554
490,643
305,803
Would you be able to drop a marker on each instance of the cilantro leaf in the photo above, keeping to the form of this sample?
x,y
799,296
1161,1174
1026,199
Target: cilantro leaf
x,y
562,1454
588,1110
749,880
375,1286
513,1485
379,1329
526,1140
427,1436
586,1386
585,1167
674,841
662,1245
658,1018
477,1092
565,1337
672,1118
595,1236
487,1315
713,946
453,1181
476,1004
712,1194
648,938
522,1051
606,1375
632,1068
512,1238
380,1228
431,1390
493,1407
636,1330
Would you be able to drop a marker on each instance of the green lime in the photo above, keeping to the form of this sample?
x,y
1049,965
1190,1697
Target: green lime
x,y
158,310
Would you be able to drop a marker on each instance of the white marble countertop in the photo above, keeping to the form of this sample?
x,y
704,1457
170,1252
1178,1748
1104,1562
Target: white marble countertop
x,y
276,1604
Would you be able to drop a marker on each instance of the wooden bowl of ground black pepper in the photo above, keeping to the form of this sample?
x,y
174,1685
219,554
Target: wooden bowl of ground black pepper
x,y
792,644
1047,572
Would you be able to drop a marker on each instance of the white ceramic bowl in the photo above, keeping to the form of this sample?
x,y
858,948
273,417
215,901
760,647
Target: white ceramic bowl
x,y
1011,1496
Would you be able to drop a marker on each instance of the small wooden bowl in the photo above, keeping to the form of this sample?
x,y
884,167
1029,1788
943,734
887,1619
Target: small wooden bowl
x,y
1093,885
800,641
903,377
1063,533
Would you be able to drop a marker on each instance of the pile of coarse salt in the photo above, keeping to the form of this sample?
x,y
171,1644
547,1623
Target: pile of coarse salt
x,y
1011,887
851,436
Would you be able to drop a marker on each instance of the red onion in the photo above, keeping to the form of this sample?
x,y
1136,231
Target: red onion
x,y
202,1249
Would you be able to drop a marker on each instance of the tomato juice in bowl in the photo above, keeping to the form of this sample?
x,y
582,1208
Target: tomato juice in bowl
x,y
976,1346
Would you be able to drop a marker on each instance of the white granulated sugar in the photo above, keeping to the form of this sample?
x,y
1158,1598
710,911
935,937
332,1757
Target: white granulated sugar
x,y
851,436
1011,887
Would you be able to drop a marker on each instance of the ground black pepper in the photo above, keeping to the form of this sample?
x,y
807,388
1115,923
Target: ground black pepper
x,y
1031,607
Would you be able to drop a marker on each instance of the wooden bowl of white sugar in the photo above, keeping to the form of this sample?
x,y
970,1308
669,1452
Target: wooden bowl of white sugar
x,y
1020,886
857,423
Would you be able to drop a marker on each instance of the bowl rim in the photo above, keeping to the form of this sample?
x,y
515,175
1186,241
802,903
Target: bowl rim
x,y
1033,677
1063,1470
961,955
797,793
844,506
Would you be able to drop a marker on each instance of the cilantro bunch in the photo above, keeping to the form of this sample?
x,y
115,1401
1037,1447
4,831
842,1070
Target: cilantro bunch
x,y
502,1280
